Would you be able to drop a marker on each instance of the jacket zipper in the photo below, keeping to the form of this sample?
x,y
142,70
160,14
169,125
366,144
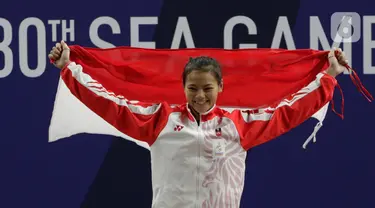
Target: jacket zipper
x,y
198,161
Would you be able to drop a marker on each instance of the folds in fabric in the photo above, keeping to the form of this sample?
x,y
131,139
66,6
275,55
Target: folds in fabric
x,y
253,78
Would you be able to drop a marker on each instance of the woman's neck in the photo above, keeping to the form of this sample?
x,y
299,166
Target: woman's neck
x,y
195,114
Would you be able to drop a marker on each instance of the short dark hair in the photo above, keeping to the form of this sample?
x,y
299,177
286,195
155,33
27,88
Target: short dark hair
x,y
205,64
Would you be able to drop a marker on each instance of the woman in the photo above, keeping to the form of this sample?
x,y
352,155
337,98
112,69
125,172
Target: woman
x,y
198,150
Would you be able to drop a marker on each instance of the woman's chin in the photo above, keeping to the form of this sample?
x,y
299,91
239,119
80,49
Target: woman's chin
x,y
202,109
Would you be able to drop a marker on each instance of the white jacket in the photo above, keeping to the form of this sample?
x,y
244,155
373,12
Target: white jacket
x,y
198,165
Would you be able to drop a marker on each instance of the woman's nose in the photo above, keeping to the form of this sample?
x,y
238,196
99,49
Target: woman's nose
x,y
200,94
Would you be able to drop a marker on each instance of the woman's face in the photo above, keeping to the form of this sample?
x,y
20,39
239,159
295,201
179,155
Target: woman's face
x,y
201,90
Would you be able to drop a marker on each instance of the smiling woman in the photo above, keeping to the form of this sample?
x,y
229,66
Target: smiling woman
x,y
202,83
198,149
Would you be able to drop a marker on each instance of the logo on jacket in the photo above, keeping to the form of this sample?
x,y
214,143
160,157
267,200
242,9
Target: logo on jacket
x,y
218,132
178,128
218,148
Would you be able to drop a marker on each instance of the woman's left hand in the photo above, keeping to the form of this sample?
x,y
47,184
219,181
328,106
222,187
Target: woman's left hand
x,y
336,62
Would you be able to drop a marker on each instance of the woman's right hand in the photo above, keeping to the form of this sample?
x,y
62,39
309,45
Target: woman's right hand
x,y
60,54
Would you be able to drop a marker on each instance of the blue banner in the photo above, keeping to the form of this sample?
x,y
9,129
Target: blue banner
x,y
101,171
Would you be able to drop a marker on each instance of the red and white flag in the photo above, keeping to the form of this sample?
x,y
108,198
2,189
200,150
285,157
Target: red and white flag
x,y
253,78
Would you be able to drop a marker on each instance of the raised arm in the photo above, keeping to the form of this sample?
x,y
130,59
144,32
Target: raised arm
x,y
141,121
262,125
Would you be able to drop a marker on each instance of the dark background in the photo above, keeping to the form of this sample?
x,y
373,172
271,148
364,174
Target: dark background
x,y
102,171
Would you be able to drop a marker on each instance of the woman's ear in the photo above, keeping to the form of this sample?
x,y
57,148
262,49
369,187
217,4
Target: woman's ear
x,y
221,86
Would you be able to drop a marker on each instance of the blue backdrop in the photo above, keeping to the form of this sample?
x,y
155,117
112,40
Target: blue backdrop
x,y
102,171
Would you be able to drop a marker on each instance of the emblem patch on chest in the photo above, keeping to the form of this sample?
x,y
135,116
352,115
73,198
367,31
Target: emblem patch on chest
x,y
218,132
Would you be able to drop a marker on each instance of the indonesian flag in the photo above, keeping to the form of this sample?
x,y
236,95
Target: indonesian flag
x,y
253,78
